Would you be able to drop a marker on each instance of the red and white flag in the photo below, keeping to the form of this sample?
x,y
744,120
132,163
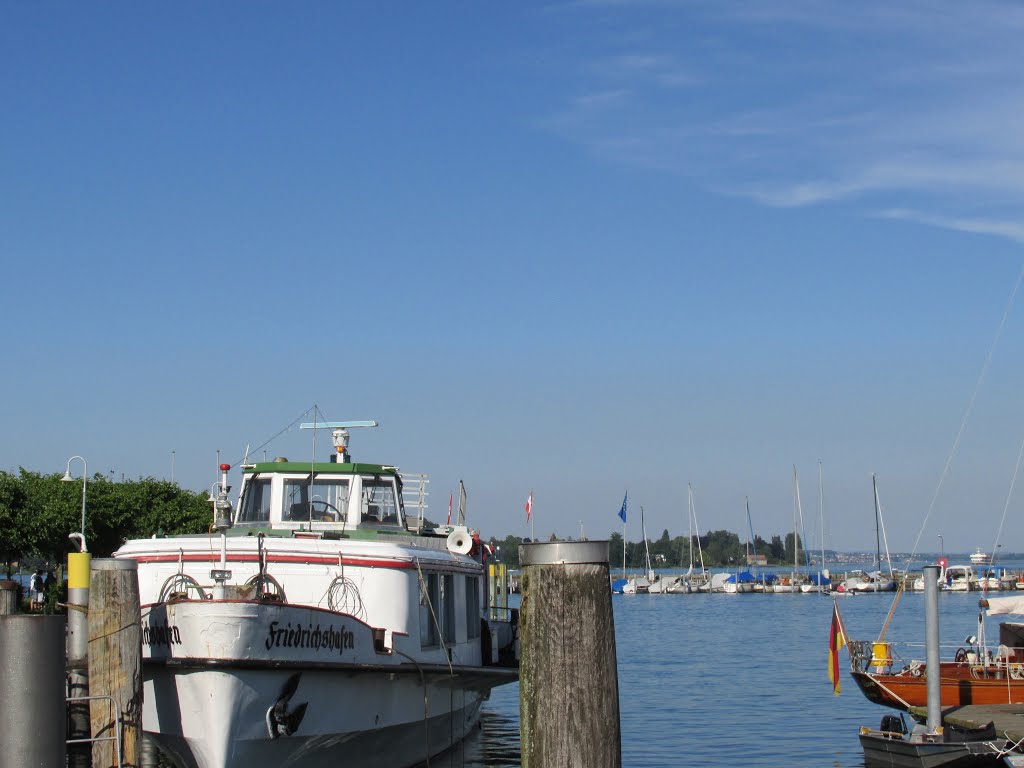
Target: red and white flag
x,y
529,506
450,496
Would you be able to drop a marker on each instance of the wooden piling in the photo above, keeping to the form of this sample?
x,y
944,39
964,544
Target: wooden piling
x,y
568,679
8,597
115,660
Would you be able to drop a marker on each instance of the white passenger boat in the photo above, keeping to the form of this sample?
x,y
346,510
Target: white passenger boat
x,y
319,625
980,557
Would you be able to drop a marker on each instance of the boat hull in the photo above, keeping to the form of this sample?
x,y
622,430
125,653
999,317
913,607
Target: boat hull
x,y
218,718
243,684
962,684
883,750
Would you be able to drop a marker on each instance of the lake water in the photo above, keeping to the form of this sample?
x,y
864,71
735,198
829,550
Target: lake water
x,y
718,680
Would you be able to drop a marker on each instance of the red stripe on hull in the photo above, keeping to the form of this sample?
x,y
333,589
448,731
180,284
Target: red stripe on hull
x,y
301,559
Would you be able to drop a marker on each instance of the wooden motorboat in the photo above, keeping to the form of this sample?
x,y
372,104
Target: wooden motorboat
x,y
976,675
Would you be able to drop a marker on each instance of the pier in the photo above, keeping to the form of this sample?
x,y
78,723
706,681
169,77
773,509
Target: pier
x,y
1007,718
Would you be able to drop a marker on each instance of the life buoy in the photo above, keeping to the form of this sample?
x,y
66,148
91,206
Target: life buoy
x,y
1016,671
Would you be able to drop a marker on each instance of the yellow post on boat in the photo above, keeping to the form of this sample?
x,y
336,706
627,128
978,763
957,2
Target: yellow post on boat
x,y
881,656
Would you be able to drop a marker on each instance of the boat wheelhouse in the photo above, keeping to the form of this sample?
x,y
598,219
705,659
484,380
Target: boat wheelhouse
x,y
321,623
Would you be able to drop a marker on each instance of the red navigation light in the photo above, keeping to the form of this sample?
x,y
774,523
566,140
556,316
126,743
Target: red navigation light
x,y
225,467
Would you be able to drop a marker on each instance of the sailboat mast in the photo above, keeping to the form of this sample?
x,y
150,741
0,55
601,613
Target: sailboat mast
x,y
696,528
623,549
796,505
647,551
878,542
689,519
821,513
750,525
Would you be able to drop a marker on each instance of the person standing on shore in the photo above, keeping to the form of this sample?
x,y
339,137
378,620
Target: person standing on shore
x,y
35,590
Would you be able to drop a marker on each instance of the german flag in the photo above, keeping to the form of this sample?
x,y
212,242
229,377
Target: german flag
x,y
836,640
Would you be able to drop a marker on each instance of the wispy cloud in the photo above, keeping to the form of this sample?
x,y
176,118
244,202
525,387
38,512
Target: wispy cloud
x,y
798,103
1002,228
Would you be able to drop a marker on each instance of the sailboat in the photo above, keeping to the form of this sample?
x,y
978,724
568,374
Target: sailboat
x,y
822,580
873,581
743,582
793,583
692,581
649,582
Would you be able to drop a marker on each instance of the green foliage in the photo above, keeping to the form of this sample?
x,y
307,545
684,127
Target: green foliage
x,y
507,550
37,512
13,531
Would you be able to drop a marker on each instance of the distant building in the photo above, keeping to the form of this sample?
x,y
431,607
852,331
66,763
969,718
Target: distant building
x,y
757,559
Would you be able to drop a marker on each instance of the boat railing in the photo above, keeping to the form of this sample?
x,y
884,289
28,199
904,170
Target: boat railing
x,y
908,658
414,495
117,733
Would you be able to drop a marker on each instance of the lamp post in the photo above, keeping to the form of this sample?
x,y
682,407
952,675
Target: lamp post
x,y
67,479
942,545
77,644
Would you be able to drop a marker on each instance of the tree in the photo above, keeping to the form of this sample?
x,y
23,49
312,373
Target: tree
x,y
13,526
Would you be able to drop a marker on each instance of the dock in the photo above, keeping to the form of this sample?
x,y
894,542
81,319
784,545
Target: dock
x,y
1008,718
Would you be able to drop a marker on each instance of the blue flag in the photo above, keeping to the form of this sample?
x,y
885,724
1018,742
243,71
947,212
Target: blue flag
x,y
622,512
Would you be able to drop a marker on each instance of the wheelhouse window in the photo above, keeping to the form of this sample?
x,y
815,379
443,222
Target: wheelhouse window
x,y
448,609
380,503
430,603
472,607
255,502
322,499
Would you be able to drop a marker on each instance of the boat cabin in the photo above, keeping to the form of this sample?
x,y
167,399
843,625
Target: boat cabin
x,y
285,495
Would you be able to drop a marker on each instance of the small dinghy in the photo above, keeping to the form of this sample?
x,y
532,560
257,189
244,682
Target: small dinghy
x,y
946,747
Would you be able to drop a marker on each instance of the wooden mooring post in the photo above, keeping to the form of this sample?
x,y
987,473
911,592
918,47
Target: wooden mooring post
x,y
115,662
568,677
8,597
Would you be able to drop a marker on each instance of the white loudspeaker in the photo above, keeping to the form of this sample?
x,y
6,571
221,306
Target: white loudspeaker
x,y
460,542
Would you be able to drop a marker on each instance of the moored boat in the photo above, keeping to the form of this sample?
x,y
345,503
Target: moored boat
x,y
320,624
976,675
980,557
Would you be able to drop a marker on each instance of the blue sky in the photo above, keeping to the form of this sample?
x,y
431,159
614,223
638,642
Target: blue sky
x,y
575,247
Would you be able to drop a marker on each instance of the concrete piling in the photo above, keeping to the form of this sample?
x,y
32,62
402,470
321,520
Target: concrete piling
x,y
32,693
568,678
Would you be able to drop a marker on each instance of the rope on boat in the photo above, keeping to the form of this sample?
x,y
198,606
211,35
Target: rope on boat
x,y
1012,746
888,690
1006,506
967,414
426,704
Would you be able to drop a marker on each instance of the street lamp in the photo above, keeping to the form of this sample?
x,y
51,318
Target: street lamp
x,y
942,545
67,479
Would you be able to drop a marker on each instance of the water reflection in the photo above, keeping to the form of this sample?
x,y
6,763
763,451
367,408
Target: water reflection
x,y
494,744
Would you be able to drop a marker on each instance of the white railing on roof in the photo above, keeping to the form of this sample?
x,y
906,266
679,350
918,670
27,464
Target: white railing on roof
x,y
414,494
